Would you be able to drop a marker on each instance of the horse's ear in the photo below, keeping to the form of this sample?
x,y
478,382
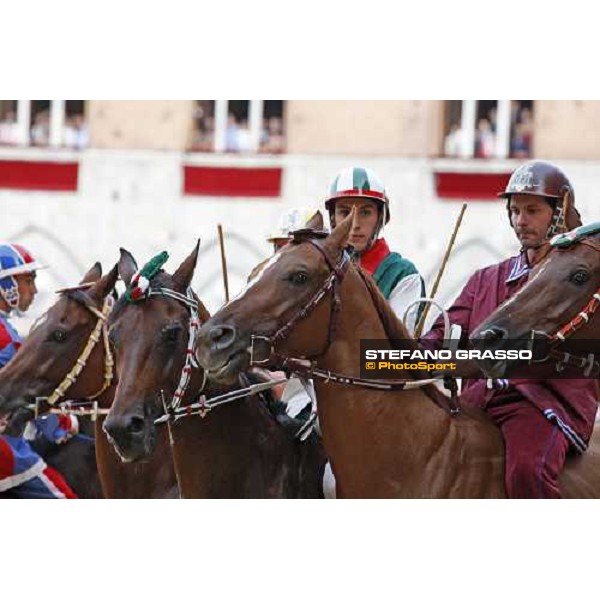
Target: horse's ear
x,y
126,266
572,216
93,274
182,278
339,236
104,285
315,222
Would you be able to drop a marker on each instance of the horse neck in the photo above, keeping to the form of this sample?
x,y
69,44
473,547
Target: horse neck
x,y
353,416
237,450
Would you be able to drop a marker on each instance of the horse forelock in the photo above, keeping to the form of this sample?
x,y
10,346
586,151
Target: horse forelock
x,y
161,279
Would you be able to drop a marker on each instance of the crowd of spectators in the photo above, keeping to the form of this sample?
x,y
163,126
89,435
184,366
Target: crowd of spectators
x,y
75,132
8,129
237,133
521,134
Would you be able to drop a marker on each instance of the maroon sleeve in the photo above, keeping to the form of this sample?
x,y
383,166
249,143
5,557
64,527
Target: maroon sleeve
x,y
459,314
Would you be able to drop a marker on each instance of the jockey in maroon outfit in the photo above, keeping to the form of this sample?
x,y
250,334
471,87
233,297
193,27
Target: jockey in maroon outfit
x,y
540,420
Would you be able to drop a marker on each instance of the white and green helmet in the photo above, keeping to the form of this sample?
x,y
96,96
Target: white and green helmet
x,y
357,182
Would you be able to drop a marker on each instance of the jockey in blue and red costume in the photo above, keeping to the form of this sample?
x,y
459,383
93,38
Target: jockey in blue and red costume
x,y
541,421
23,473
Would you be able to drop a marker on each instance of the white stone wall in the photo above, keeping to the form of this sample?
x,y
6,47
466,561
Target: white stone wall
x,y
134,200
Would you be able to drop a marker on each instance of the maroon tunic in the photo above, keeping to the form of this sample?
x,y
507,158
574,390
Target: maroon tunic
x,y
570,404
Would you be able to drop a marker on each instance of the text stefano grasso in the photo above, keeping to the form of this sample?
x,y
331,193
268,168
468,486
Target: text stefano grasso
x,y
379,354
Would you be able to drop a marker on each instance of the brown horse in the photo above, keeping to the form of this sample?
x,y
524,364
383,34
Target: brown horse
x,y
48,354
309,301
237,451
556,308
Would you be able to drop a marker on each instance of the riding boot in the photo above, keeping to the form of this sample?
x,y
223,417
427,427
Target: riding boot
x,y
290,424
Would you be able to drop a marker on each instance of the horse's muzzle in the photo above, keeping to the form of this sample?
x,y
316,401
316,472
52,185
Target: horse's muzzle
x,y
131,435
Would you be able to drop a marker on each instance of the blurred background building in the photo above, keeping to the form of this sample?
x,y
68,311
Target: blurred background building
x,y
80,179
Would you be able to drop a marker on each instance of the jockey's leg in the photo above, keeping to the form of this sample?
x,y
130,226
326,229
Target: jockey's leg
x,y
48,485
535,450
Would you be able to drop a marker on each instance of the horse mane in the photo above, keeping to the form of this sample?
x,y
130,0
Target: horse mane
x,y
396,332
394,328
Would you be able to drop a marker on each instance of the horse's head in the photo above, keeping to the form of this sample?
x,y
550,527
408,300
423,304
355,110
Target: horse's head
x,y
280,306
56,342
149,334
562,286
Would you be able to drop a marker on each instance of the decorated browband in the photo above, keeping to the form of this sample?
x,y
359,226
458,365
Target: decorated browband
x,y
563,240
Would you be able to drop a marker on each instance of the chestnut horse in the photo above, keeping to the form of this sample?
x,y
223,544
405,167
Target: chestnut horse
x,y
237,451
310,302
47,356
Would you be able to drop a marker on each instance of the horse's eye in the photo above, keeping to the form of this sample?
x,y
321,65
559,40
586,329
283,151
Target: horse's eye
x,y
580,277
58,335
170,334
299,278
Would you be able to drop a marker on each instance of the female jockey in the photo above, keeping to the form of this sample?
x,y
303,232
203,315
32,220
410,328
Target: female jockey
x,y
23,473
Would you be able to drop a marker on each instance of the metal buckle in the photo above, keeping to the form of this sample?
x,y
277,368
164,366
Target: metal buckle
x,y
203,407
265,361
590,365
541,335
560,366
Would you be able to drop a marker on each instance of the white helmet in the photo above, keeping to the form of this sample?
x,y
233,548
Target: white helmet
x,y
293,219
358,182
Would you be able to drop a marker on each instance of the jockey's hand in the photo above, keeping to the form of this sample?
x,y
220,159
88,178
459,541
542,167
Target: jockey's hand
x,y
58,429
265,375
69,424
277,390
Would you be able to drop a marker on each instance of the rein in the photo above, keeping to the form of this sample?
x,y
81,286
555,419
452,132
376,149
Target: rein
x,y
79,408
204,405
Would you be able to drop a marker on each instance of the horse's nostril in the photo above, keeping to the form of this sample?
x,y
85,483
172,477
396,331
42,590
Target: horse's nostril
x,y
135,425
222,336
